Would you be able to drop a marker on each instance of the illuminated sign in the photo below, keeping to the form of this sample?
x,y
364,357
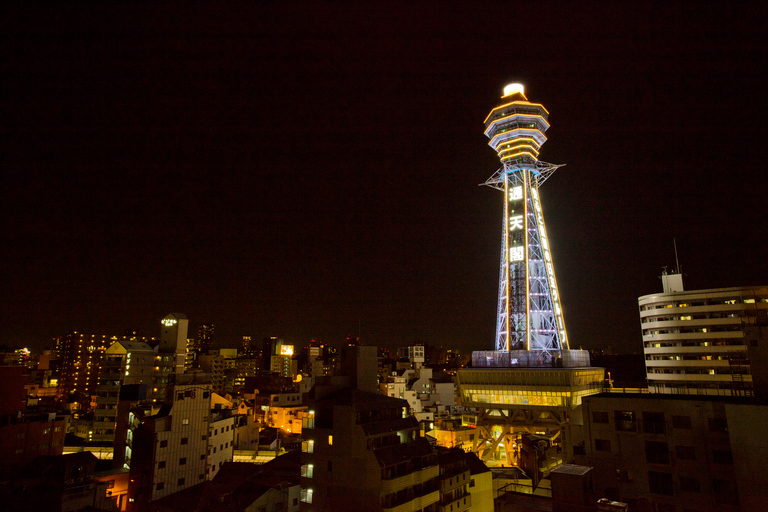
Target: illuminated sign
x,y
548,264
169,321
286,350
515,222
516,253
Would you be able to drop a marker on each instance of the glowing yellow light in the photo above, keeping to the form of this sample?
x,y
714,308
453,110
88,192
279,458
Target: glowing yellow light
x,y
513,134
514,88
518,115
524,103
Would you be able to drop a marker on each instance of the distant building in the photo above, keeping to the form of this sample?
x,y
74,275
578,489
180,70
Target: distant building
x,y
79,359
205,338
221,364
24,434
124,363
706,342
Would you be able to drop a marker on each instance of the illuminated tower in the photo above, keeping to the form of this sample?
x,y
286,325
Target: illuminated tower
x,y
532,382
529,316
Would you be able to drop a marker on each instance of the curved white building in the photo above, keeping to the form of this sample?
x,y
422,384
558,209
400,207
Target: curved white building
x,y
705,342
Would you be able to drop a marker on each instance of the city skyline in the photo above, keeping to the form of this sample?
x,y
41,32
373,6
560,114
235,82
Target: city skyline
x,y
306,172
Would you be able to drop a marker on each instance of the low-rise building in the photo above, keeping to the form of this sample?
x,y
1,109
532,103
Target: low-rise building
x,y
362,451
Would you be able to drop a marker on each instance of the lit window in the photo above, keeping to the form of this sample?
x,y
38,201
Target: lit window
x,y
330,440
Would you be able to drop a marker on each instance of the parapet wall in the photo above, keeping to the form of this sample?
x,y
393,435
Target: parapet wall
x,y
530,359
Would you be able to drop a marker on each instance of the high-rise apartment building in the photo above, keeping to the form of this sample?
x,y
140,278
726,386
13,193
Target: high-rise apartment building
x,y
79,359
124,363
205,338
171,352
706,342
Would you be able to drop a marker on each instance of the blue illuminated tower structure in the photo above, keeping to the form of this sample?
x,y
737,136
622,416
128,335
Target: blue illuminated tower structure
x,y
532,382
529,314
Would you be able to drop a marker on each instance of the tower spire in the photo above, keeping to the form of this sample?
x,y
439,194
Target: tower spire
x,y
529,315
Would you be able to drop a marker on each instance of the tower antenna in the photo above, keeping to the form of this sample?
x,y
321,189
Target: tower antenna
x,y
677,262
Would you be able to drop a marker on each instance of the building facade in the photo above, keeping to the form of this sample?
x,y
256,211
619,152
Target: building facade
x,y
362,451
665,452
705,342
124,362
168,451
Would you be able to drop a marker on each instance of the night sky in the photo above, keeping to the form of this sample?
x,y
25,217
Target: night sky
x,y
306,172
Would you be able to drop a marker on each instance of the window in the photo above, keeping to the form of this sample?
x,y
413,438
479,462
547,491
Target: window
x,y
180,482
625,421
330,466
725,491
602,445
660,483
653,423
681,422
306,495
624,475
308,470
184,440
159,486
182,461
308,446
685,452
722,457
163,443
656,452
161,464
330,440
185,421
599,417
689,484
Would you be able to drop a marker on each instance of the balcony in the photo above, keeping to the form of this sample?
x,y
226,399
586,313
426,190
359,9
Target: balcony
x,y
460,504
450,482
402,482
416,503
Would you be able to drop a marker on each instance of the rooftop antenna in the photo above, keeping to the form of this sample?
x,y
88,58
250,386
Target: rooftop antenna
x,y
673,283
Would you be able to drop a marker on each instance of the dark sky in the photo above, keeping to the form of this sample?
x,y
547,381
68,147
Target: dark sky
x,y
311,172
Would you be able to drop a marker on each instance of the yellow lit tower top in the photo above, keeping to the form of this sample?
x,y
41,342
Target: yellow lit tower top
x,y
529,316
